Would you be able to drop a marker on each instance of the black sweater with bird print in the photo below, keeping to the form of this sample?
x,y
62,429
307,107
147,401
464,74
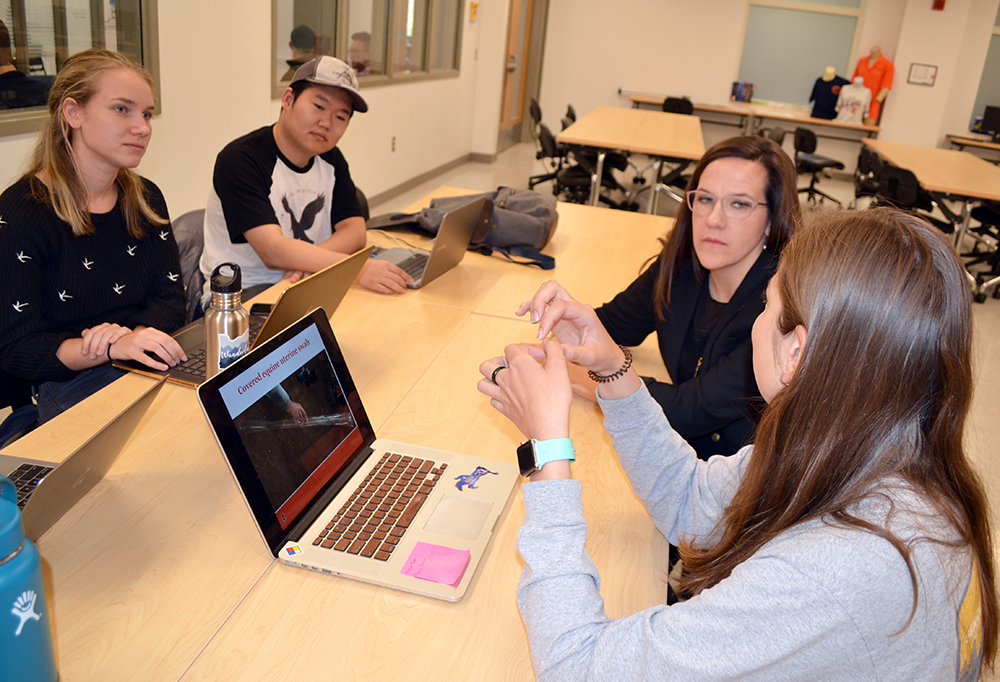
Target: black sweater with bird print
x,y
254,184
54,285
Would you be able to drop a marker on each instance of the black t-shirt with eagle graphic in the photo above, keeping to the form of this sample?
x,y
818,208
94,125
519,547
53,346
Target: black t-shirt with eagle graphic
x,y
54,285
254,184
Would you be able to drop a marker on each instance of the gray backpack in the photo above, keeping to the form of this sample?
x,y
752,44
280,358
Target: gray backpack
x,y
522,223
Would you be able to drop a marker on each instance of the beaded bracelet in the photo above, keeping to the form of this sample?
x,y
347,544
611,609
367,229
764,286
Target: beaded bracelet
x,y
621,371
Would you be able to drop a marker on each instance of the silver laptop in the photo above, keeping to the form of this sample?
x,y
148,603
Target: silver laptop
x,y
325,288
326,494
450,245
47,491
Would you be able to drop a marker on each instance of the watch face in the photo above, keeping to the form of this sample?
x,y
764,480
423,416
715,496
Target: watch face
x,y
526,458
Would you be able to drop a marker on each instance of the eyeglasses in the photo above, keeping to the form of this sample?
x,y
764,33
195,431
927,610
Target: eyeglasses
x,y
734,206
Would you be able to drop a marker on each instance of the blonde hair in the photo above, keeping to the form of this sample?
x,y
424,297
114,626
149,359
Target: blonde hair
x,y
881,392
64,189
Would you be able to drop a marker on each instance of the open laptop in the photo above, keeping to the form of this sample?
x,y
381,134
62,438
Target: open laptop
x,y
45,491
450,245
325,288
294,431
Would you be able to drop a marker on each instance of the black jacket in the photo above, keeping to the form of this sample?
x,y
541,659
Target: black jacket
x,y
716,412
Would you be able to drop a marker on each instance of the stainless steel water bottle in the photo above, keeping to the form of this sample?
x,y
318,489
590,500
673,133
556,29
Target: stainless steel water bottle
x,y
26,650
227,323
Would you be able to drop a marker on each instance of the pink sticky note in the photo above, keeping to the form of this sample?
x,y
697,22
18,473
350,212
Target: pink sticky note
x,y
436,563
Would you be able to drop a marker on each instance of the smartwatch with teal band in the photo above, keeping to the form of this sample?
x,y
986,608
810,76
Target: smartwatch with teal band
x,y
533,454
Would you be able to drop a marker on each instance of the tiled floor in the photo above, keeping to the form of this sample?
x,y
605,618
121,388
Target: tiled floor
x,y
517,163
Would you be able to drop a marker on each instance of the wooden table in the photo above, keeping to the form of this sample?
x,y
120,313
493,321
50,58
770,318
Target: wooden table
x,y
963,141
159,573
752,116
674,138
947,174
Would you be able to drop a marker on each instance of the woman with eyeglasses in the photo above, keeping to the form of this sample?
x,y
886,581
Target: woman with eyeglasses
x,y
703,292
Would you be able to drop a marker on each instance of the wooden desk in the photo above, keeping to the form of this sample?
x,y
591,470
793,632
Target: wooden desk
x,y
299,624
666,137
947,174
160,573
752,116
963,141
943,171
145,569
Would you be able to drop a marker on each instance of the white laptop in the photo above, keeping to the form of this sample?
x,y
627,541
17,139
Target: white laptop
x,y
294,431
452,241
47,491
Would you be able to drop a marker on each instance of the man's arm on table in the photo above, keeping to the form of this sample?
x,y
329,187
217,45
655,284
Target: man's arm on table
x,y
284,253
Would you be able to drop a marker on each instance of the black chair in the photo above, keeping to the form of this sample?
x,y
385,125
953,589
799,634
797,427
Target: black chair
x,y
16,394
674,184
189,232
678,105
806,161
776,134
899,188
866,175
363,202
985,250
570,113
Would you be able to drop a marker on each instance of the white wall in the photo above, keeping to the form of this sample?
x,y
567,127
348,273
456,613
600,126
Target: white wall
x,y
215,86
955,40
674,47
693,48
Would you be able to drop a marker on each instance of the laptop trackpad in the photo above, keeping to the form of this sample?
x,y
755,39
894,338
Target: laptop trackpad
x,y
461,517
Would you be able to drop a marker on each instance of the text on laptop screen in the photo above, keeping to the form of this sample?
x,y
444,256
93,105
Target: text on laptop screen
x,y
293,417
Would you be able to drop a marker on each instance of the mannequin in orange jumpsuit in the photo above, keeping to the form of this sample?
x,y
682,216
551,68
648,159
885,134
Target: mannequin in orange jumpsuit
x,y
877,72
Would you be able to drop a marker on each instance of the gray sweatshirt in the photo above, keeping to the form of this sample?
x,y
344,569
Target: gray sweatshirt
x,y
818,602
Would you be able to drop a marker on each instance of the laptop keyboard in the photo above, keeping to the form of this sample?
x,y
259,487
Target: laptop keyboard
x,y
26,478
378,514
414,265
197,359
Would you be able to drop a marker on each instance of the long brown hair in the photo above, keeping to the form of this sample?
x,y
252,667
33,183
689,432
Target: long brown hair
x,y
782,209
64,189
881,393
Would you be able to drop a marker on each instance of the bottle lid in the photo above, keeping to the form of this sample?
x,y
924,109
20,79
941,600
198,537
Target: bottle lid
x,y
11,528
226,279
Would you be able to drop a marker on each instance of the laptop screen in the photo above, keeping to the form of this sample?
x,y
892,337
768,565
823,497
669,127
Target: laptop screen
x,y
291,424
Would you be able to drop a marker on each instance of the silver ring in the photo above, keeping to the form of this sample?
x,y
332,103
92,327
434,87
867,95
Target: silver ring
x,y
495,372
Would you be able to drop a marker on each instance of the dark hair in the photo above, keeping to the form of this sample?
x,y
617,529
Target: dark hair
x,y
301,86
880,394
303,38
782,209
362,36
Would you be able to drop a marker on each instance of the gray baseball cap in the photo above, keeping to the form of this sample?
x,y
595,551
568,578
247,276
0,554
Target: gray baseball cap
x,y
327,70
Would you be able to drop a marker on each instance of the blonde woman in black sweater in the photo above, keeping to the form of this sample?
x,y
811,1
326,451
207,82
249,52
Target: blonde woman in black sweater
x,y
90,268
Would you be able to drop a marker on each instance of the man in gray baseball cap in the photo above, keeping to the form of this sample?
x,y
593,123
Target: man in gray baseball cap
x,y
283,203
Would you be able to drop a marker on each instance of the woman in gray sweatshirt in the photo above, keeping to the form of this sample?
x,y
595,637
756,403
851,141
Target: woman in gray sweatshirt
x,y
850,542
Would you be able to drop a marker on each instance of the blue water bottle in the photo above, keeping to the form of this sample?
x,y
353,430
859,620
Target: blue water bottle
x,y
26,651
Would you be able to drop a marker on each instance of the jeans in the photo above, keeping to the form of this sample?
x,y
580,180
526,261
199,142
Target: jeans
x,y
55,397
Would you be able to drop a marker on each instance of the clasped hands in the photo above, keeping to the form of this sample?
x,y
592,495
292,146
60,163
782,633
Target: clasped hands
x,y
131,345
534,390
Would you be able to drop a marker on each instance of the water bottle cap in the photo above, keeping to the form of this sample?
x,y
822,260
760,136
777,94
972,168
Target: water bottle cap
x,y
11,529
227,279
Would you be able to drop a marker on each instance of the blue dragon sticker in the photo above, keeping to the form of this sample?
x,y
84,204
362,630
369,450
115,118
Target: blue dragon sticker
x,y
472,479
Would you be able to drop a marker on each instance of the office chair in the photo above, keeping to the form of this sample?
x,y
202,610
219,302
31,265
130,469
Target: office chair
x,y
570,113
678,105
986,234
866,175
899,188
777,134
363,202
808,162
676,186
16,394
189,232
